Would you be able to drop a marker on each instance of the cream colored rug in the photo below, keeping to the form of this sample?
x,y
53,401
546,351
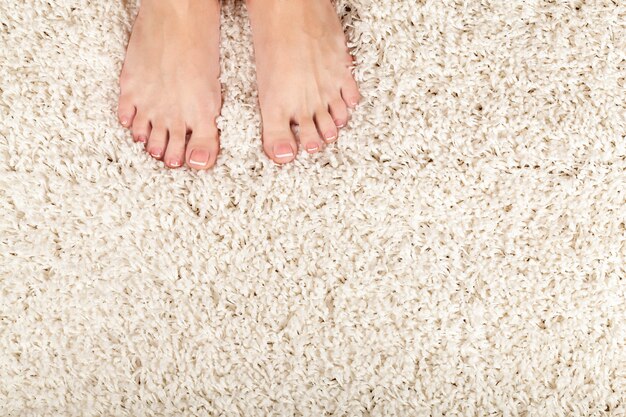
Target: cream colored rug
x,y
461,251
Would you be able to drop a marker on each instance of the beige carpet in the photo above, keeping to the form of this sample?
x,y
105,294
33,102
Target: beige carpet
x,y
461,251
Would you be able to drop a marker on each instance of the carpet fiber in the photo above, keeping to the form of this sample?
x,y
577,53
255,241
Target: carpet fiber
x,y
460,251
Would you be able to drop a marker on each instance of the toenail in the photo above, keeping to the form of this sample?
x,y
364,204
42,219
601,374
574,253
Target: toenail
x,y
283,150
124,122
312,147
175,163
142,139
156,153
339,124
331,139
199,157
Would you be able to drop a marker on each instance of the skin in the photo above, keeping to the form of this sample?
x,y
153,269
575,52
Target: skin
x,y
169,86
170,93
304,74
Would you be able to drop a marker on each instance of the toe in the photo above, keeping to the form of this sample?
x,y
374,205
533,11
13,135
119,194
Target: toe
x,y
350,92
141,128
309,136
279,143
126,111
157,142
175,152
326,126
203,147
339,112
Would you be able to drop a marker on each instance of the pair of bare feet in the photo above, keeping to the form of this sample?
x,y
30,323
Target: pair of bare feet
x,y
170,94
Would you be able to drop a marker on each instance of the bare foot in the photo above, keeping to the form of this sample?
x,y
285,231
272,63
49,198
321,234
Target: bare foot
x,y
303,74
170,81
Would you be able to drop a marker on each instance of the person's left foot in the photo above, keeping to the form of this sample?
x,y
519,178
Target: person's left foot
x,y
303,74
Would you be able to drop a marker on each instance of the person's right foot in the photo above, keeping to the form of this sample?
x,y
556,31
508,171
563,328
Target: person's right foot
x,y
169,86
303,74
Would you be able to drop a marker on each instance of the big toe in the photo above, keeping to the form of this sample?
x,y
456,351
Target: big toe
x,y
279,145
203,148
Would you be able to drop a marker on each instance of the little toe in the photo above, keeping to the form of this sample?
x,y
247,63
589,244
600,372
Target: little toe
x,y
309,136
326,126
203,148
175,152
141,129
126,111
157,142
339,112
350,92
279,144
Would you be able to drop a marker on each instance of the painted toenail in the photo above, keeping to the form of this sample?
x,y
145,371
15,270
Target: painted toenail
x,y
312,147
199,157
331,139
283,150
142,139
124,122
339,124
156,153
175,163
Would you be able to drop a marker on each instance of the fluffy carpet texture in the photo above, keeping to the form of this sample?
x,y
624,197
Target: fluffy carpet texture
x,y
460,251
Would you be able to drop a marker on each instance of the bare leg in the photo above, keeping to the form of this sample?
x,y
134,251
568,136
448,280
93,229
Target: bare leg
x,y
170,81
303,74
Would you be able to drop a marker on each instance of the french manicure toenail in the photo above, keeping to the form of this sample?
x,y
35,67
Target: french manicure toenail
x,y
199,157
124,122
283,150
142,139
312,147
175,164
331,138
156,153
